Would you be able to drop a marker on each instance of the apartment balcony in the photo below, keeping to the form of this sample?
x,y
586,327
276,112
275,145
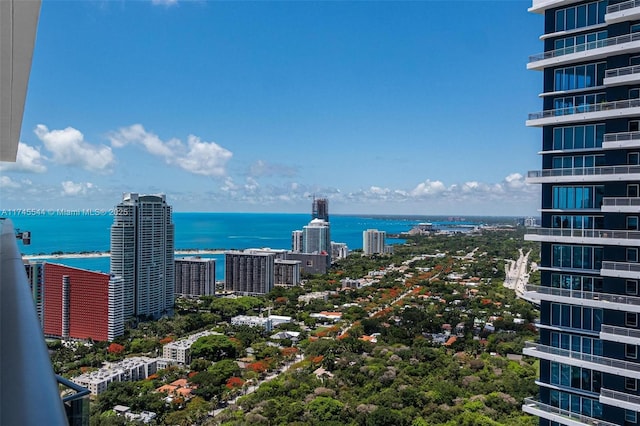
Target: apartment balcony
x,y
564,417
618,334
621,140
620,399
610,237
585,112
622,76
599,49
626,11
616,302
620,205
585,174
614,366
620,270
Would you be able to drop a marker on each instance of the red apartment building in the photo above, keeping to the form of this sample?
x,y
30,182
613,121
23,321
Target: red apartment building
x,y
81,304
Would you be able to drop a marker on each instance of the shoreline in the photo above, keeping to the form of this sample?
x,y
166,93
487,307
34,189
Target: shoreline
x,y
193,252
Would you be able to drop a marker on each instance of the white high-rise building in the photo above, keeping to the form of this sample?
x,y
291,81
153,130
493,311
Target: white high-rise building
x,y
142,246
296,241
316,237
373,241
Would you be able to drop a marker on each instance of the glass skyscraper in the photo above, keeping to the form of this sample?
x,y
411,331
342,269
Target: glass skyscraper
x,y
142,253
590,178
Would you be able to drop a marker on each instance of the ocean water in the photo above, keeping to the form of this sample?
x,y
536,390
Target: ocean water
x,y
85,233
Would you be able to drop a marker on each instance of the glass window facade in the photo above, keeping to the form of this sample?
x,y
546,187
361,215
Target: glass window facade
x,y
577,222
578,103
577,197
577,343
578,43
577,317
577,257
584,15
579,77
576,282
576,404
578,137
577,161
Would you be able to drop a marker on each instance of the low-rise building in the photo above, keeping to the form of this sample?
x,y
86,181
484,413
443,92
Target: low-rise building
x,y
268,323
180,350
127,370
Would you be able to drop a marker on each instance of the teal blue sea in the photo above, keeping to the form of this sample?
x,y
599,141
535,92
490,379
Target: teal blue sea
x,y
203,231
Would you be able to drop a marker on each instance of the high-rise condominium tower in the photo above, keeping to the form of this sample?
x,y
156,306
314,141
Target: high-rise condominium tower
x,y
316,237
195,276
589,302
142,244
320,209
373,241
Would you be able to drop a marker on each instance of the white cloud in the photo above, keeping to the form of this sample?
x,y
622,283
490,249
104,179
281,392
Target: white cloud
x,y
198,157
29,160
69,148
7,182
70,188
204,158
515,180
428,187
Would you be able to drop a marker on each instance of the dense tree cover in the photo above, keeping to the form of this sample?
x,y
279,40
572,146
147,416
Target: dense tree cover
x,y
215,348
393,385
403,379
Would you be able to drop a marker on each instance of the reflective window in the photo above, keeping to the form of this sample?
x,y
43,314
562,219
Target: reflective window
x,y
577,104
576,282
630,416
580,42
577,222
577,257
630,351
579,77
578,161
575,403
576,343
583,318
577,197
584,15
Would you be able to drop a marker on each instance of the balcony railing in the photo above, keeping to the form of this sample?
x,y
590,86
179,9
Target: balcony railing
x,y
594,359
27,383
585,295
537,405
613,41
585,233
622,136
621,266
619,72
585,171
621,201
581,109
620,396
623,6
620,331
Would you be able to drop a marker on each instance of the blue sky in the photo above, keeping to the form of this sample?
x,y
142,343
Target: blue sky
x,y
382,107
